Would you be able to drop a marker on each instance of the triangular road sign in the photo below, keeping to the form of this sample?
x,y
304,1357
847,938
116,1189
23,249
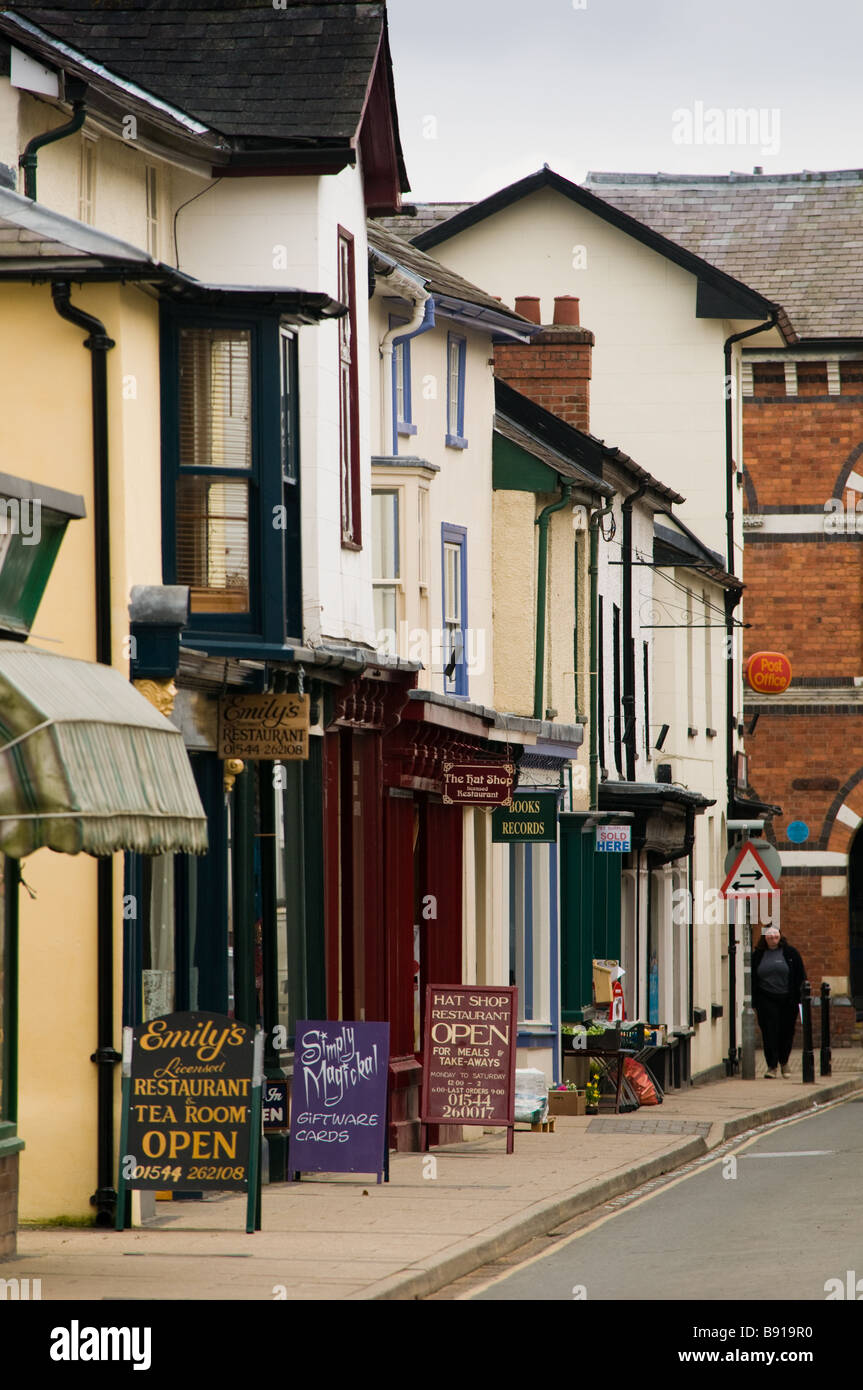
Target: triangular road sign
x,y
748,876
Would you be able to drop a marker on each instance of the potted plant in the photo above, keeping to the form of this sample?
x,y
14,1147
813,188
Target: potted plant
x,y
592,1096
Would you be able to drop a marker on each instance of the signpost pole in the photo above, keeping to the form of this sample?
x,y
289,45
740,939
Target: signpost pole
x,y
253,1203
747,1068
120,1214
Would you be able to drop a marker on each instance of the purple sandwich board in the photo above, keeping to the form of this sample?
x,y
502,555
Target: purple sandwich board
x,y
339,1099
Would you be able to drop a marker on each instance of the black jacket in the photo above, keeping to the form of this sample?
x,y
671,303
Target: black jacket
x,y
796,967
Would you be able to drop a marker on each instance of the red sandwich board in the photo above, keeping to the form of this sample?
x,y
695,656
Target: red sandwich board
x,y
469,1057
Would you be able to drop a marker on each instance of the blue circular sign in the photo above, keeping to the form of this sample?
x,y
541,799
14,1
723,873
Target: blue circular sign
x,y
798,831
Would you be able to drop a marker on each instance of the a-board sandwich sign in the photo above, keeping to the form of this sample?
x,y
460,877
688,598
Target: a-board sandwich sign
x,y
469,1042
189,1117
339,1098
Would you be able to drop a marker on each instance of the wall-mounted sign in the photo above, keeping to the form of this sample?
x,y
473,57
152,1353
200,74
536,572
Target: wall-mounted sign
x,y
478,784
531,816
614,839
469,1043
339,1098
189,1117
264,727
768,673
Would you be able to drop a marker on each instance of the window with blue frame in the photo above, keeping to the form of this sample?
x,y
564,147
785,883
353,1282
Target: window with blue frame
x,y
402,406
454,590
231,475
456,351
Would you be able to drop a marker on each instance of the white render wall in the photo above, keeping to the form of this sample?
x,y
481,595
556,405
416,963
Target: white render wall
x,y
658,371
284,231
459,494
246,231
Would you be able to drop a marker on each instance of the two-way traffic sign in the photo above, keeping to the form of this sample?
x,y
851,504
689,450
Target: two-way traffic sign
x,y
749,876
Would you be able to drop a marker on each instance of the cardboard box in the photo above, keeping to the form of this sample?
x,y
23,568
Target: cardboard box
x,y
567,1103
602,978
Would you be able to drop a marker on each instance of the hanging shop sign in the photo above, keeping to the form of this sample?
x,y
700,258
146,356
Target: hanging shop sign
x,y
478,784
339,1099
469,1043
614,839
531,817
188,1115
768,673
264,727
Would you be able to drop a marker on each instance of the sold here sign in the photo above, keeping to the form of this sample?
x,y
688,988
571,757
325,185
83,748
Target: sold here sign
x,y
769,673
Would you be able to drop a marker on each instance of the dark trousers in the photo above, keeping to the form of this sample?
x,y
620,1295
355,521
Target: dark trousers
x,y
777,1016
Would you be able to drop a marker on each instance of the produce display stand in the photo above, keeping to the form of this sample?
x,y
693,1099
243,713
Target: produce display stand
x,y
611,1069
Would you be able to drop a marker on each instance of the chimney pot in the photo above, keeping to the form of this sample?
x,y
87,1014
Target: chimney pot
x,y
566,310
528,306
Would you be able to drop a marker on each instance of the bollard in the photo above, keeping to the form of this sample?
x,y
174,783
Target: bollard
x,y
808,1053
826,1054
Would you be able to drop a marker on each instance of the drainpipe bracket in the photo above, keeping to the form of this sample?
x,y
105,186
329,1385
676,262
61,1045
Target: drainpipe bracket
x,y
106,1056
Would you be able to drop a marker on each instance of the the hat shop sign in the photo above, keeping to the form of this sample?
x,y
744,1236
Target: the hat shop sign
x,y
478,784
274,727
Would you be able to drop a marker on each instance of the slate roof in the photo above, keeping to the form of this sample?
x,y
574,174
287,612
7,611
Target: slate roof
x,y
439,279
421,217
797,238
294,74
741,298
585,449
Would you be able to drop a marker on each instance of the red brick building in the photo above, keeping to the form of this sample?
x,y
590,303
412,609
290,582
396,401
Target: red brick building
x,y
793,238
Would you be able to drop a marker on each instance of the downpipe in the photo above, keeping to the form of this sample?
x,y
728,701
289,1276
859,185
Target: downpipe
x,y
106,1057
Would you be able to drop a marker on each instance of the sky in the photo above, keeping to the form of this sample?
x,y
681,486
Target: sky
x,y
490,90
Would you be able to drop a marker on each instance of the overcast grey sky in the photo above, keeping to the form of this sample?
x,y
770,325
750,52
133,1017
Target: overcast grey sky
x,y
489,90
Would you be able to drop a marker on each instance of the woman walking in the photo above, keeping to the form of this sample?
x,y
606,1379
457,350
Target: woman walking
x,y
777,988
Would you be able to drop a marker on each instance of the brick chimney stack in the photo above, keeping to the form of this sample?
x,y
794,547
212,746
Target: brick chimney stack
x,y
553,369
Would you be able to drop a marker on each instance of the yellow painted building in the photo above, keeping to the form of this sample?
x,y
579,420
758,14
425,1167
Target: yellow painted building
x,y
49,406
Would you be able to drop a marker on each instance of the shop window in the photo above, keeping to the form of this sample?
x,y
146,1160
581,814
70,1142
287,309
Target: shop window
x,y
158,978
454,588
532,927
386,566
456,359
349,443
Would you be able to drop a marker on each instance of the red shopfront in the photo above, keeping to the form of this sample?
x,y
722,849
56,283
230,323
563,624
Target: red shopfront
x,y
395,867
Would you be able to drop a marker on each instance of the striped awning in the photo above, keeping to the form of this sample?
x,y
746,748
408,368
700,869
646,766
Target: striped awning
x,y
87,764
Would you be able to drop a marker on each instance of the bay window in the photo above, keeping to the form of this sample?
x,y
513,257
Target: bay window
x,y
386,564
231,476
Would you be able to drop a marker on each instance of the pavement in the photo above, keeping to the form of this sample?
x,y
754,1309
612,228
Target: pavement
x,y
346,1238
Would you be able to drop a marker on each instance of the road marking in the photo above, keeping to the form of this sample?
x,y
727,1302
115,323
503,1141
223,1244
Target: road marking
x,y
647,1191
792,1153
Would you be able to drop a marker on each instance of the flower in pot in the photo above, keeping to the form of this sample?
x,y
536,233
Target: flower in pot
x,y
592,1095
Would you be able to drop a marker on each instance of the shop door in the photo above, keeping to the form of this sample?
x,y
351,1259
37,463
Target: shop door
x,y
590,913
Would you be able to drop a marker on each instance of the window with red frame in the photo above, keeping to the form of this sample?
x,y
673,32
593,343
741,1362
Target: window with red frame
x,y
349,443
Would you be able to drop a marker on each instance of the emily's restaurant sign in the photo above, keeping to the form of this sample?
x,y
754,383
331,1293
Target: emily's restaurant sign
x,y
264,726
